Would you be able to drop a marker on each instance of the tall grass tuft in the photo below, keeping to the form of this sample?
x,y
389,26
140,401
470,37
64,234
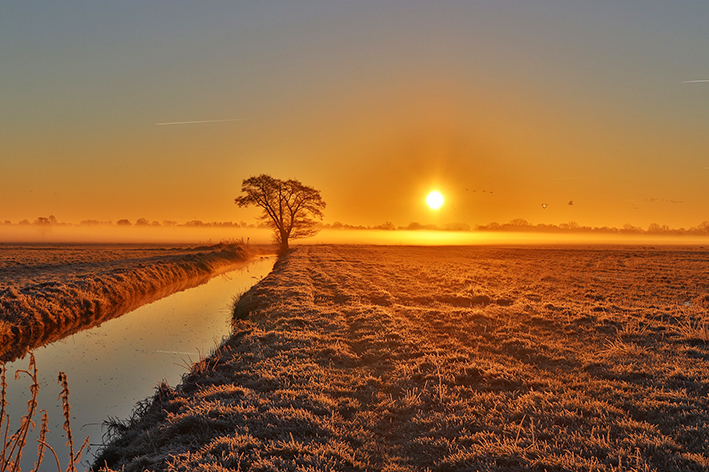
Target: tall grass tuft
x,y
66,409
13,445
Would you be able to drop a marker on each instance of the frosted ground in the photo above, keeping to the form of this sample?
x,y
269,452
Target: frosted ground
x,y
460,358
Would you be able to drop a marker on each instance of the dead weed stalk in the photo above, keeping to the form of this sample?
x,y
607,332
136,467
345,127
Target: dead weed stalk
x,y
13,445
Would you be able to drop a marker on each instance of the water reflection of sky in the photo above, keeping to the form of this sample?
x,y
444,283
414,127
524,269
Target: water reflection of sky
x,y
115,365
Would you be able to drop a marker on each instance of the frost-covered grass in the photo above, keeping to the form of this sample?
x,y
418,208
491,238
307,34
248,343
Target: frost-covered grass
x,y
441,359
47,293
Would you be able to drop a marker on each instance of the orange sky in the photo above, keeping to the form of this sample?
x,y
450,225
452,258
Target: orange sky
x,y
373,103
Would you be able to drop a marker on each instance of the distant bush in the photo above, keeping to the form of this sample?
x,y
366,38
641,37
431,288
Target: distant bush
x,y
414,226
456,227
195,223
388,226
90,223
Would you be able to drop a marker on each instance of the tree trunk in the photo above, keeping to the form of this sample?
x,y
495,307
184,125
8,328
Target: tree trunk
x,y
284,244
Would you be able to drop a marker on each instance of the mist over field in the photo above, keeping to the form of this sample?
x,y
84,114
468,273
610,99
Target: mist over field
x,y
208,235
130,234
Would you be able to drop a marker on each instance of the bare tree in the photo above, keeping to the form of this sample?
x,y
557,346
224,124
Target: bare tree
x,y
289,207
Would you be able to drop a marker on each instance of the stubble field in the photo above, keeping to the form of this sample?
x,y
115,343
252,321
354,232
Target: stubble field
x,y
461,358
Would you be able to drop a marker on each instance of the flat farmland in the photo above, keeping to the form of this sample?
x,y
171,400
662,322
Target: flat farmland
x,y
457,358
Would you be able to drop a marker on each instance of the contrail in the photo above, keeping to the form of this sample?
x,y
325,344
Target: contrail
x,y
699,81
199,121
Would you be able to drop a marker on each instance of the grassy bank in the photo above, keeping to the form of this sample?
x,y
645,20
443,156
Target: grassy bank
x,y
69,295
397,359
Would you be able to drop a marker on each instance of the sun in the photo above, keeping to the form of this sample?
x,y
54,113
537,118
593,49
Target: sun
x,y
435,200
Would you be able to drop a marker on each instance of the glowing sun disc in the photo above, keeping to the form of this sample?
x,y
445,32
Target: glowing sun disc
x,y
434,200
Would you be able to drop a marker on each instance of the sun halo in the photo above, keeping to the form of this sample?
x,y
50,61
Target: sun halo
x,y
434,200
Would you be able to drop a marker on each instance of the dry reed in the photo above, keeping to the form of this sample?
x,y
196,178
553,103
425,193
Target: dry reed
x,y
13,445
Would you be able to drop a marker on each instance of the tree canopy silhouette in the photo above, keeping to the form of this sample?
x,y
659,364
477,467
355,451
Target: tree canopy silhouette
x,y
289,207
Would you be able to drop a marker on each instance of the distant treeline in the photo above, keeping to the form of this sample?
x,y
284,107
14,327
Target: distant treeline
x,y
515,226
521,225
140,222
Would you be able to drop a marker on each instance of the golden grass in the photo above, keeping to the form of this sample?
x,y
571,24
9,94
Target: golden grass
x,y
444,359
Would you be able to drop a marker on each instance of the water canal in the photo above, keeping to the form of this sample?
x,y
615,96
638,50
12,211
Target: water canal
x,y
115,365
